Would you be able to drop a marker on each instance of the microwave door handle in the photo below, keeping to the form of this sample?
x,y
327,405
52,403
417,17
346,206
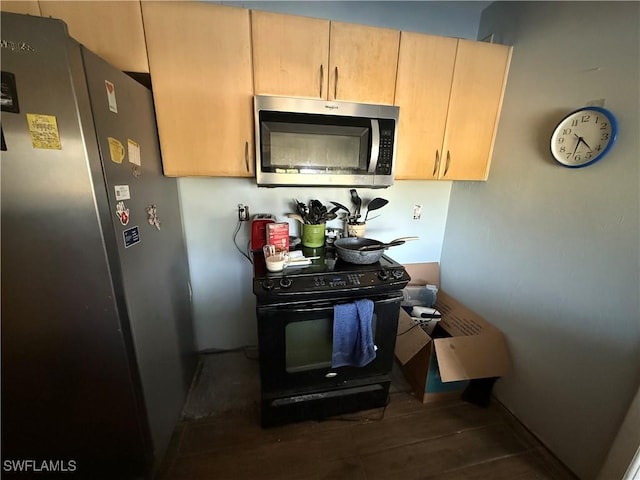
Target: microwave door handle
x,y
375,146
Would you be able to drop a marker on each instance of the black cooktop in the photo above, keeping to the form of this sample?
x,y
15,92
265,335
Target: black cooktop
x,y
326,263
327,277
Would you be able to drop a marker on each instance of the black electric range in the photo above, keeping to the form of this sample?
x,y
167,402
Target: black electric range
x,y
327,277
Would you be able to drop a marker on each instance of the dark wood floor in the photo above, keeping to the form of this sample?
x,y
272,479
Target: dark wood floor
x,y
450,440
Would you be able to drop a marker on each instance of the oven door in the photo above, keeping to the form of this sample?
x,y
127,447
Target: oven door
x,y
296,345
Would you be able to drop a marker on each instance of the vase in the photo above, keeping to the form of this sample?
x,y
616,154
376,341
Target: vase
x,y
356,229
313,235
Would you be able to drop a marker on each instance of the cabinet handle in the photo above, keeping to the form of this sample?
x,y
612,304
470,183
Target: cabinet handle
x,y
446,168
321,78
436,164
246,155
335,86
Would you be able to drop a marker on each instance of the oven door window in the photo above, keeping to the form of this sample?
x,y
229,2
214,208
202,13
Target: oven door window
x,y
309,344
314,143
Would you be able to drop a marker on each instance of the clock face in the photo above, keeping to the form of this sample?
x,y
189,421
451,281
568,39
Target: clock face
x,y
583,137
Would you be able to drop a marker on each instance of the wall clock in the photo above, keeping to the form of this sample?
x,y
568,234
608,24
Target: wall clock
x,y
584,136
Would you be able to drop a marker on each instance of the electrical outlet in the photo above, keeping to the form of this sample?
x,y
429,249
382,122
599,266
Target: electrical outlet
x,y
417,212
243,212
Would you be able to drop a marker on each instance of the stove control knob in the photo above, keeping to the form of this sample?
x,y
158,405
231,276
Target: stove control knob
x,y
285,282
267,284
397,274
383,275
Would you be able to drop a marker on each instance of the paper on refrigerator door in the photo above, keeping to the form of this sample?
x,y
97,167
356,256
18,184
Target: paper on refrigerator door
x,y
134,151
44,131
111,96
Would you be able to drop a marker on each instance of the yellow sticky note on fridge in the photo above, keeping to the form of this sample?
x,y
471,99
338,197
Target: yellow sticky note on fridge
x,y
44,131
116,150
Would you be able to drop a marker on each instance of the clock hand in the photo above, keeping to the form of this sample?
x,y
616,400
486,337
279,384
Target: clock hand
x,y
587,145
575,149
580,139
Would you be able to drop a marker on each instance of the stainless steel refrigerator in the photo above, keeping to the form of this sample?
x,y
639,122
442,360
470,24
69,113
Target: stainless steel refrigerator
x,y
97,339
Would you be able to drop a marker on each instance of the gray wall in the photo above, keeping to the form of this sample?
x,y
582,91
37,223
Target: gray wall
x,y
451,19
224,305
224,314
560,247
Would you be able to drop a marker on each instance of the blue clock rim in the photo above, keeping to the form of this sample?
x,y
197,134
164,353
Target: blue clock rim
x,y
614,135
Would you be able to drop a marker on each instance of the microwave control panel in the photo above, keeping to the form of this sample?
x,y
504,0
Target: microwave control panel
x,y
385,154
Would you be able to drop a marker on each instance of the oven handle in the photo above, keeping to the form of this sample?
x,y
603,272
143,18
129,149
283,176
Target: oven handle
x,y
326,305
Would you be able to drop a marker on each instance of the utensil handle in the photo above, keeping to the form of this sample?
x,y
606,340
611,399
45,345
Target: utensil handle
x,y
406,239
394,243
295,216
384,246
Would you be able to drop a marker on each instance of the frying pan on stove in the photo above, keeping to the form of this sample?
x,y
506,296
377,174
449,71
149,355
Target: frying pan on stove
x,y
364,251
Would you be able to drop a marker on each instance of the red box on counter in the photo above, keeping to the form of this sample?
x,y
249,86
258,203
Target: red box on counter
x,y
278,235
259,231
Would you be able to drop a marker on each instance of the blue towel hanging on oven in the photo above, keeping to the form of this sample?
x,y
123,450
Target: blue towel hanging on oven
x,y
352,334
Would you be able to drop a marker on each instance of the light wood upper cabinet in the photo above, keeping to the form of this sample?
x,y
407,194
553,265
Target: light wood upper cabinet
x,y
363,62
290,54
25,7
425,73
479,80
111,29
200,62
450,94
310,57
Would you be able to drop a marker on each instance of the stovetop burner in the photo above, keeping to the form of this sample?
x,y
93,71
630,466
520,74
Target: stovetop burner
x,y
326,277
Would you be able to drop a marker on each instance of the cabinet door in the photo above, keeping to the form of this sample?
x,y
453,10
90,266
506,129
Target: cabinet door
x,y
290,54
425,72
111,29
363,62
26,7
479,80
200,62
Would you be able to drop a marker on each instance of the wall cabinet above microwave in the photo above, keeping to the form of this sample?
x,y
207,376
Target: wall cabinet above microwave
x,y
309,57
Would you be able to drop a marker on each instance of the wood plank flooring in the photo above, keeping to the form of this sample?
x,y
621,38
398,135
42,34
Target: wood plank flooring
x,y
449,440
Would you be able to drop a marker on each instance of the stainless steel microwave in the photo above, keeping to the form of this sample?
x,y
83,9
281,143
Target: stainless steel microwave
x,y
307,142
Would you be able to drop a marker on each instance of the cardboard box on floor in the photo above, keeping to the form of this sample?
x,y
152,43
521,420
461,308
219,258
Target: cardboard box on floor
x,y
441,367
